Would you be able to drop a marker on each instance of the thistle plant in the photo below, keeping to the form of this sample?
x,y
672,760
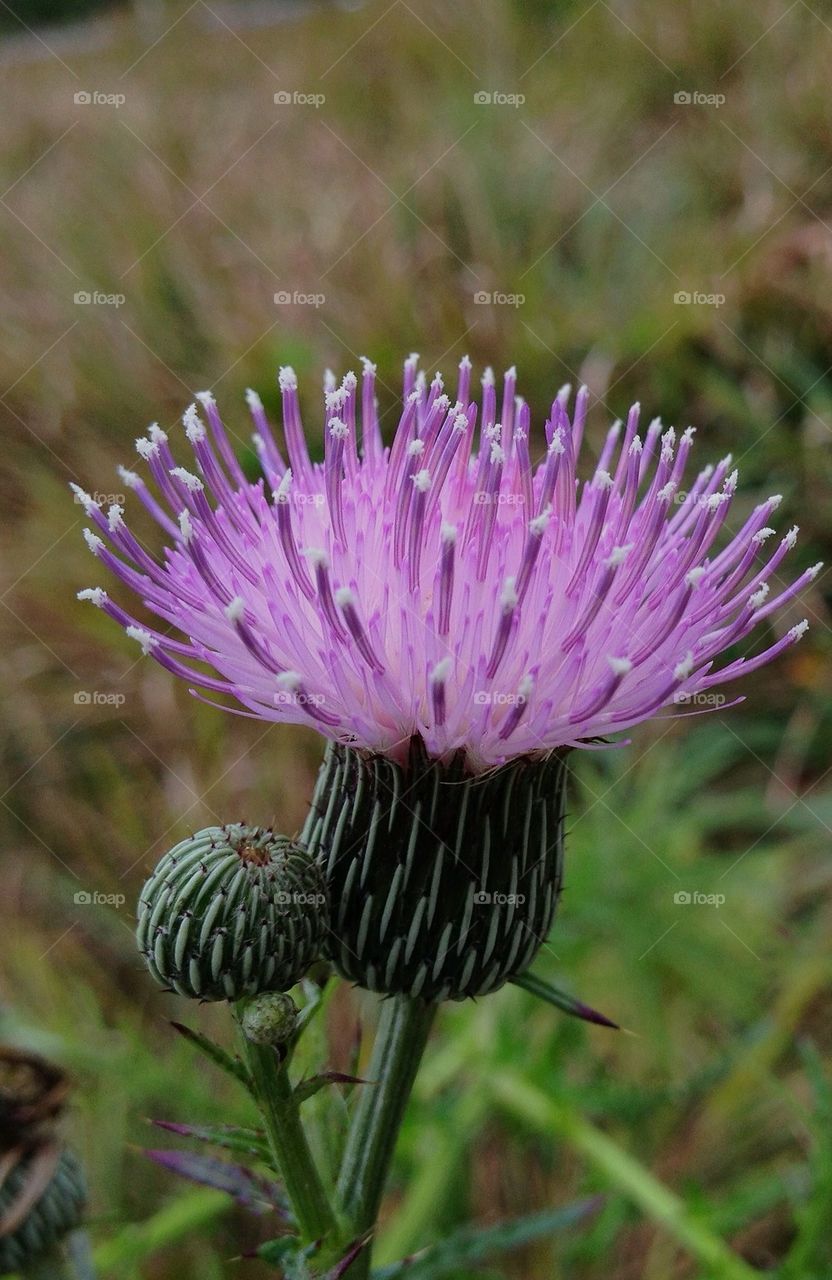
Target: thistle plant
x,y
456,613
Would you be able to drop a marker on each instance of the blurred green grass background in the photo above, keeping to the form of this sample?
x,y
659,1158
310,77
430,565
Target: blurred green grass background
x,y
399,198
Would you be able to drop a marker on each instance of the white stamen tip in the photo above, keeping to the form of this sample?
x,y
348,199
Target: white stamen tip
x,y
87,502
367,365
526,686
449,534
564,393
144,638
421,480
188,478
539,525
759,597
415,447
441,671
603,480
667,492
774,501
290,681
287,378
115,517
635,445
253,400
96,595
130,478
206,399
694,576
731,481
185,526
715,501
791,537
465,362
684,668
93,541
498,453
508,596
618,555
281,493
235,609
157,435
194,429
488,377
761,535
317,557
330,381
620,666
338,429
146,448
336,399
344,597
688,434
460,422
800,630
815,569
556,444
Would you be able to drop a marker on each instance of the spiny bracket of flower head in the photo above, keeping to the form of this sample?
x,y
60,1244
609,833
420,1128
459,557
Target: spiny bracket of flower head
x,y
230,912
42,1189
461,584
443,885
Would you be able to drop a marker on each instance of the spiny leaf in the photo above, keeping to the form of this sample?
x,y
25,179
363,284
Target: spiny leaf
x,y
247,1188
246,1142
341,1268
306,1088
472,1244
224,1060
568,1004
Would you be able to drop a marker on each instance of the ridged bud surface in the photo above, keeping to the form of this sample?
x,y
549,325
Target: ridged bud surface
x,y
441,885
57,1211
230,912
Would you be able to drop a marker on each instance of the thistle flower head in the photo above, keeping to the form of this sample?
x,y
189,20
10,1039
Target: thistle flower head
x,y
462,586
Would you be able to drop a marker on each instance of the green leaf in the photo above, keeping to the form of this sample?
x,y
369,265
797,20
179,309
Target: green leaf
x,y
568,1004
474,1244
218,1055
247,1142
307,1088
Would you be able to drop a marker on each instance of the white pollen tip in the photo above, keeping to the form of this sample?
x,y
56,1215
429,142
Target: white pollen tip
x,y
799,631
759,597
287,378
115,517
465,362
87,502
289,680
93,541
539,525
791,537
421,480
666,493
146,448
188,478
761,535
684,668
414,397
330,381
205,398
437,380
367,365
498,453
144,638
488,377
508,595
774,501
344,597
449,534
252,399
194,429
564,393
336,398
413,358
460,422
694,576
96,595
655,426
618,555
556,444
185,526
317,557
415,448
131,478
235,609
511,372
715,501
258,441
635,445
157,435
281,493
814,570
441,671
350,381
603,480
526,686
688,434
620,666
731,481
338,429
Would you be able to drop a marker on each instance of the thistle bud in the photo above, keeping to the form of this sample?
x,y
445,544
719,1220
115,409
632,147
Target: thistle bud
x,y
56,1211
230,912
269,1018
443,885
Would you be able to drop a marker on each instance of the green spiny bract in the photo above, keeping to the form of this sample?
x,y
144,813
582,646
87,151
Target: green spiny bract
x,y
230,912
56,1212
442,884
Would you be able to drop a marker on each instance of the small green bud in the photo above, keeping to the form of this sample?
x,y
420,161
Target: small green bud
x,y
232,911
270,1018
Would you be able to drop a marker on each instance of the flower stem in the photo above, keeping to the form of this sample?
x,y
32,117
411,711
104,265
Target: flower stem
x,y
400,1041
297,1169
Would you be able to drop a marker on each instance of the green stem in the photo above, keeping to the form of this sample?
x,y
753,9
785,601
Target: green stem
x,y
400,1041
281,1116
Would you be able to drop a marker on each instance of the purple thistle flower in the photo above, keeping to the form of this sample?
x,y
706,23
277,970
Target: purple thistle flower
x,y
445,588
